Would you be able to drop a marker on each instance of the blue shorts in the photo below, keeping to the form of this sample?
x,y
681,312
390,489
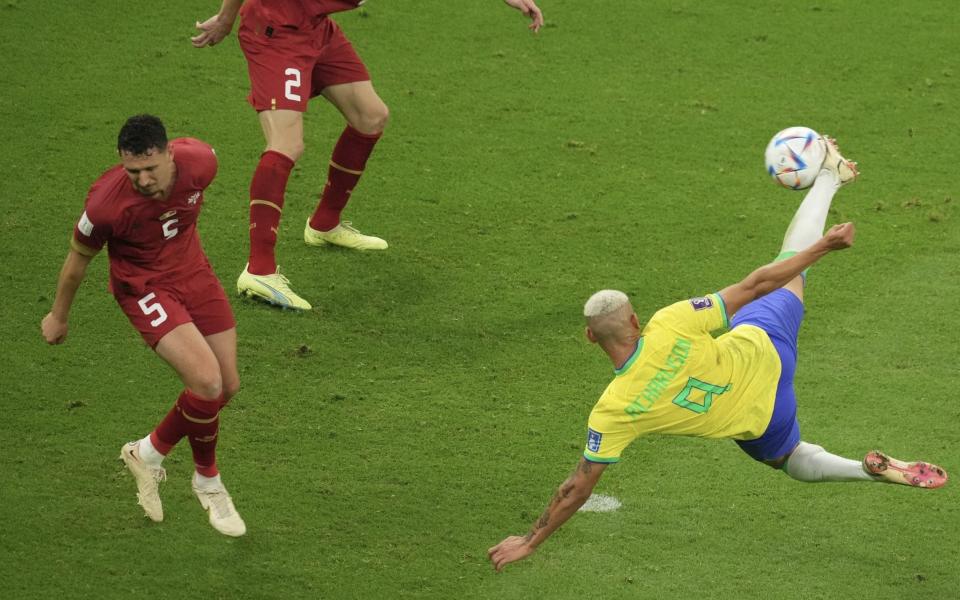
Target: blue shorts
x,y
780,314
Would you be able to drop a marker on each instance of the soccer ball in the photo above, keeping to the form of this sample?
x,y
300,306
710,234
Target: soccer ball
x,y
794,157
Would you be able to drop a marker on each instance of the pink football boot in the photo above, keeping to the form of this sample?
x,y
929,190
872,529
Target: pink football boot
x,y
916,474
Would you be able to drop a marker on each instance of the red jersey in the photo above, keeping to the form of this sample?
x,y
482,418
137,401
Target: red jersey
x,y
300,14
148,240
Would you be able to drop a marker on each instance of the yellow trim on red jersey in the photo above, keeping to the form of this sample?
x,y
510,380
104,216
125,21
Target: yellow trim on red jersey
x,y
82,249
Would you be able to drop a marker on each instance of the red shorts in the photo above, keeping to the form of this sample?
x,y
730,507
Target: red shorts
x,y
161,307
289,66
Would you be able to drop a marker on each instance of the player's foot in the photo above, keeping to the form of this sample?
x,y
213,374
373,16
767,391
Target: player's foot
x,y
344,235
916,474
218,504
274,289
844,170
148,480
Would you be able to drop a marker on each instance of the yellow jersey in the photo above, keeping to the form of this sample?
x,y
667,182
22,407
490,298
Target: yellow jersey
x,y
682,381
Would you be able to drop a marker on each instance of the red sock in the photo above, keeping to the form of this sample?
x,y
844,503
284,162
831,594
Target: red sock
x,y
204,418
168,432
199,420
346,165
266,204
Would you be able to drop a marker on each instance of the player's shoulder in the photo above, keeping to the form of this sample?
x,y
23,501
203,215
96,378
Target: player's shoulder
x,y
191,147
687,307
668,313
107,196
195,159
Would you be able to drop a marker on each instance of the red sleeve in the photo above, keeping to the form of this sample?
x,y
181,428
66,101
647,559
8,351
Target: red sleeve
x,y
95,226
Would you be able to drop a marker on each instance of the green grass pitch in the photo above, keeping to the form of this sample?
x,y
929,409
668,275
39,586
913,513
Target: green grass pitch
x,y
439,391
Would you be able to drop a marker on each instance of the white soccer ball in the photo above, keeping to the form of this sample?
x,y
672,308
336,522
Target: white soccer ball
x,y
794,157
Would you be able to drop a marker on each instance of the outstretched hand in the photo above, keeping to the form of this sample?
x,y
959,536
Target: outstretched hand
x,y
510,550
529,9
54,330
840,236
212,31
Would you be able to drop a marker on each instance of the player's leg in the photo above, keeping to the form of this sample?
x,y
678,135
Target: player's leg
x,y
780,446
811,463
366,116
283,130
780,314
213,317
811,217
224,348
195,412
196,416
279,84
341,78
207,483
156,314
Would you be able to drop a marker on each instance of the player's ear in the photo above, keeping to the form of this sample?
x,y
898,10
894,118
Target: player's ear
x,y
170,150
634,320
590,336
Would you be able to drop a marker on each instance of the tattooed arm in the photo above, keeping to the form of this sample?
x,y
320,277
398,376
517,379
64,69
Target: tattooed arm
x,y
570,496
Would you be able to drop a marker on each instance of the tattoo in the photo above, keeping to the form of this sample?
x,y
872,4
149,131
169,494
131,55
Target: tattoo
x,y
544,519
562,493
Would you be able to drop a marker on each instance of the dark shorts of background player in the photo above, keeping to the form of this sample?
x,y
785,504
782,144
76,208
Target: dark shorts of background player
x,y
780,314
289,66
199,299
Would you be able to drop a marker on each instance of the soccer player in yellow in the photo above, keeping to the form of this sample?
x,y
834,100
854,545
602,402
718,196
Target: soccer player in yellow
x,y
672,377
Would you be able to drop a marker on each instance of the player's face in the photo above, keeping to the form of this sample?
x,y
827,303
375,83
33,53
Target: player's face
x,y
152,173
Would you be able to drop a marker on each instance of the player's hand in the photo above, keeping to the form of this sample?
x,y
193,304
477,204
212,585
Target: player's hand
x,y
54,330
212,31
510,550
529,9
840,236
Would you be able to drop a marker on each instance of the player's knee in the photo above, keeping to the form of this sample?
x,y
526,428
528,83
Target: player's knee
x,y
373,120
230,389
777,463
208,386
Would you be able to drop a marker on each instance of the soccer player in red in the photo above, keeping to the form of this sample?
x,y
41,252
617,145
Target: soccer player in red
x,y
145,210
294,52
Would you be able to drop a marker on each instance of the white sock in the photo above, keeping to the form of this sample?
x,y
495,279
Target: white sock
x,y
811,463
148,453
811,218
204,482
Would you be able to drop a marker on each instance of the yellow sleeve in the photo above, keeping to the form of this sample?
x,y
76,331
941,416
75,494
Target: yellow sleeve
x,y
606,439
694,316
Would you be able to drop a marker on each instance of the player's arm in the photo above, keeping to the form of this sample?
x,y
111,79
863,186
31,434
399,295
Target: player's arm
x,y
569,497
529,9
217,27
54,325
775,275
